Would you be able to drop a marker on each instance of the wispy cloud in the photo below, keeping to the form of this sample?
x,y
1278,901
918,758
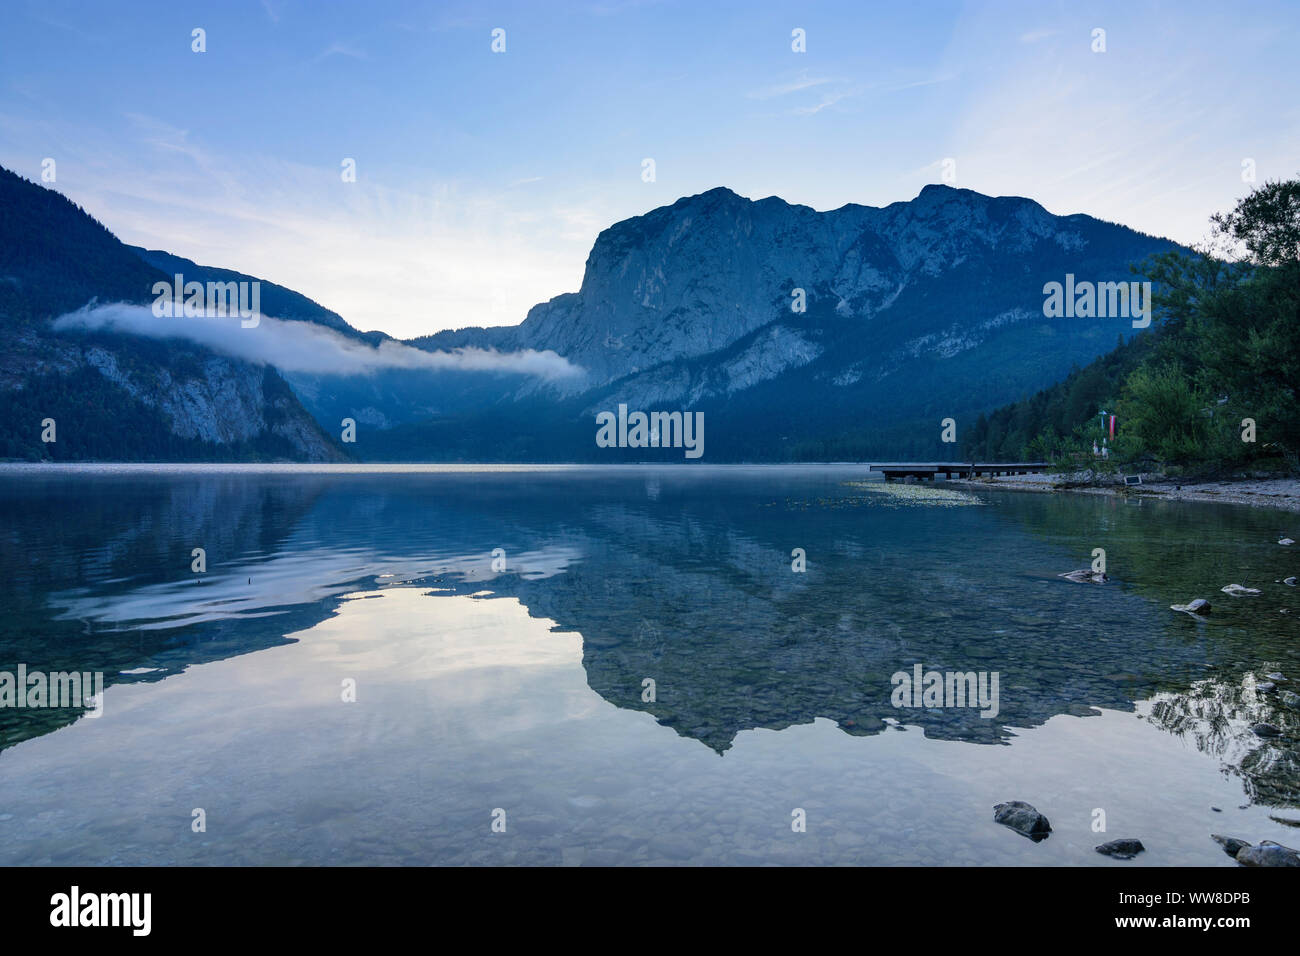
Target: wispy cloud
x,y
1033,36
341,48
804,82
306,347
828,100
928,81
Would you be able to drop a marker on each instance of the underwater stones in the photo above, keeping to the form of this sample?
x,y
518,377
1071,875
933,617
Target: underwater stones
x,y
1121,849
1239,590
1085,576
1268,853
1023,818
1231,845
1197,606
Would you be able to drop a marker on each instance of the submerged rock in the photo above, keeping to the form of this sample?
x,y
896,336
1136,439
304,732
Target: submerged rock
x,y
1266,687
1239,590
1197,606
1291,698
1285,541
1268,853
1121,849
1085,576
1266,730
1289,582
1276,675
1231,845
1023,818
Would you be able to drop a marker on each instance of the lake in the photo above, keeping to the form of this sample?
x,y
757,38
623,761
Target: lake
x,y
620,666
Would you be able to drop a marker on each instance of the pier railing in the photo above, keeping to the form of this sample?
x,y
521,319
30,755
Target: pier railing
x,y
959,469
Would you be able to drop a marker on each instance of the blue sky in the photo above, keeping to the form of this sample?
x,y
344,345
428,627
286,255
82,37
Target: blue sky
x,y
483,178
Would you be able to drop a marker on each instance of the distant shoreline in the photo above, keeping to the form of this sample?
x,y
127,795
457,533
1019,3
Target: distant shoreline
x,y
1280,493
379,467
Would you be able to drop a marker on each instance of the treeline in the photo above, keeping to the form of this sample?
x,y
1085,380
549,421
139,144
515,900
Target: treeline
x,y
56,257
95,420
1043,427
1213,385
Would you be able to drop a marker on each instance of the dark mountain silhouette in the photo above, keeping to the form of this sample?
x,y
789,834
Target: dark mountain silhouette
x,y
119,397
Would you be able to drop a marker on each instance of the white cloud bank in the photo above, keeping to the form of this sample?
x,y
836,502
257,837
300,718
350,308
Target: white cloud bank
x,y
306,347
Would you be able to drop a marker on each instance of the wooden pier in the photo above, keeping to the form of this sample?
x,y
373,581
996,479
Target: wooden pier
x,y
959,469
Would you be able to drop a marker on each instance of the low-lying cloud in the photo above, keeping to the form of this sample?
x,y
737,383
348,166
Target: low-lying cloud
x,y
306,347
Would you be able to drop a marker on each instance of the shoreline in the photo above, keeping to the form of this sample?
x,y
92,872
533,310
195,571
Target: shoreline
x,y
1278,493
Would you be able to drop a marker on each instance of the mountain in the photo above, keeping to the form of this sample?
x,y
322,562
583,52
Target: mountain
x,y
912,313
113,396
915,312
377,398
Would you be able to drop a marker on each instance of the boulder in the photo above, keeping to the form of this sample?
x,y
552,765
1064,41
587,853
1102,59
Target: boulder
x,y
1231,845
1268,853
1121,849
1197,606
1266,730
1023,818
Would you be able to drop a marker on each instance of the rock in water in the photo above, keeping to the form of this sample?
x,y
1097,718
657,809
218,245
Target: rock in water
x,y
1266,730
1085,576
1268,853
1121,849
1198,606
1023,818
1286,541
1291,698
1231,845
1237,590
1289,582
1266,687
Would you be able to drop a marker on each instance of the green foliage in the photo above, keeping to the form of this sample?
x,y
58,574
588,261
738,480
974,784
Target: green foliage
x,y
1163,413
1226,349
1063,419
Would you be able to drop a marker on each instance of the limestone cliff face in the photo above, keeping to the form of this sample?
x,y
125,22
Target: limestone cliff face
x,y
199,398
930,278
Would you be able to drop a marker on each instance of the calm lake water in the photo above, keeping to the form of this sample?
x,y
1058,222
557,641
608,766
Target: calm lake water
x,y
481,689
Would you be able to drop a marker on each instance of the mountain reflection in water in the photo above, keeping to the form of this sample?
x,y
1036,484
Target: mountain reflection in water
x,y
683,576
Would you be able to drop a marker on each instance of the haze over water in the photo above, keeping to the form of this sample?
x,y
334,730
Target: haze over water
x,y
522,689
